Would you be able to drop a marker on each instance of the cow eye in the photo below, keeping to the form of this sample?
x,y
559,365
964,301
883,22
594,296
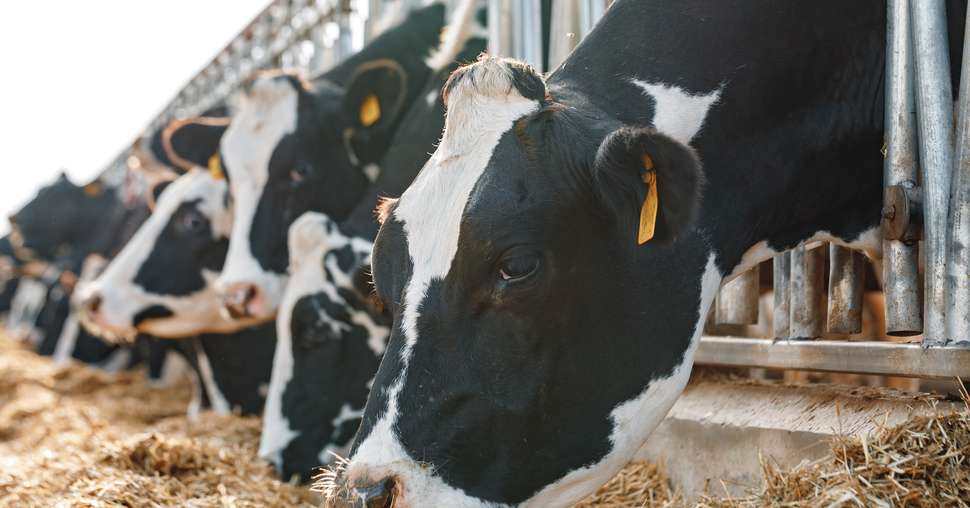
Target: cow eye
x,y
518,267
192,222
299,172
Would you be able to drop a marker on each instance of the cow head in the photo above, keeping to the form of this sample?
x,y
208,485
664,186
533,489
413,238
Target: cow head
x,y
161,281
536,342
60,218
295,147
329,343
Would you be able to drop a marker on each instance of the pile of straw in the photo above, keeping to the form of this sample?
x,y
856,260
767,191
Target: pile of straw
x,y
73,436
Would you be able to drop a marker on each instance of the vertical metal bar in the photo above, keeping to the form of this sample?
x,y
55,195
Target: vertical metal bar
x,y
565,31
958,237
934,108
781,268
807,281
901,257
590,12
737,303
500,33
846,286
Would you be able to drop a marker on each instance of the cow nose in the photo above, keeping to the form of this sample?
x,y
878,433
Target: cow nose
x,y
375,495
238,300
92,304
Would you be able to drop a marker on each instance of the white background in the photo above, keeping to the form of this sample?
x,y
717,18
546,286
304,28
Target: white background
x,y
81,78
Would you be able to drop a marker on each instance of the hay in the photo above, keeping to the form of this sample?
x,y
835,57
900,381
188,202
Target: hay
x,y
920,463
73,436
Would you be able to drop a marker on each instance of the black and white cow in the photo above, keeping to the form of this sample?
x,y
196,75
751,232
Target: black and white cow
x,y
161,284
296,146
329,343
330,338
550,269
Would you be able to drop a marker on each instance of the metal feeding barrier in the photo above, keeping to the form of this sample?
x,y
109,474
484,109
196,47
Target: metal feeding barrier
x,y
809,305
926,178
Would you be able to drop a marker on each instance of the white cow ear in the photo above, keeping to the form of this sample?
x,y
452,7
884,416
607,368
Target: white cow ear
x,y
651,182
375,96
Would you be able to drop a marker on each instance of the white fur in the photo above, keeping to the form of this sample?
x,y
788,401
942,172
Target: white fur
x,y
431,211
462,26
122,298
265,116
678,113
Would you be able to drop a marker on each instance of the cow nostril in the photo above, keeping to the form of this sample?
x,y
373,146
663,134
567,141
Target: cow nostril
x,y
378,495
238,300
93,303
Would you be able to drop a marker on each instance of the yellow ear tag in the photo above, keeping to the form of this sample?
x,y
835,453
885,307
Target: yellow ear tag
x,y
215,167
92,189
370,110
648,212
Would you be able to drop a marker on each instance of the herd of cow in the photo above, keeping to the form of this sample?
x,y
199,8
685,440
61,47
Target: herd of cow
x,y
511,327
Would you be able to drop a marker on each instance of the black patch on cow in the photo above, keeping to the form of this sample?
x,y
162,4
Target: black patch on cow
x,y
241,364
185,247
152,312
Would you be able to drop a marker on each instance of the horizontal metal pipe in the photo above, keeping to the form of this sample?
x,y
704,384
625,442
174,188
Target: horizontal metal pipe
x,y
934,114
884,358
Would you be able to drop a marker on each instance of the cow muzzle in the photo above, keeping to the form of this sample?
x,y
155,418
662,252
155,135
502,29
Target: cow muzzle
x,y
243,300
379,494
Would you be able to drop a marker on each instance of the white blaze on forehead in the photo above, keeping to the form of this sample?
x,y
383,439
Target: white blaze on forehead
x,y
482,106
677,113
122,298
265,116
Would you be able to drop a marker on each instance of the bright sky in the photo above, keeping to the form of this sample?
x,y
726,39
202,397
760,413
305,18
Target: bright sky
x,y
81,79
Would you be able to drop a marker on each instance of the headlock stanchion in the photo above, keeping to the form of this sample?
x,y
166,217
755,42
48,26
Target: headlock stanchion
x,y
958,237
934,111
901,237
807,286
846,285
515,30
737,302
781,282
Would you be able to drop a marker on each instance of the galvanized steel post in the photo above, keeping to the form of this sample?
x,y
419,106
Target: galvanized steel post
x,y
737,303
900,255
934,113
958,237
571,21
846,278
781,281
807,281
515,30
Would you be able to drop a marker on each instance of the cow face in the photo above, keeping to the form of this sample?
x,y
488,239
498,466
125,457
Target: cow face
x,y
60,218
535,342
330,341
160,282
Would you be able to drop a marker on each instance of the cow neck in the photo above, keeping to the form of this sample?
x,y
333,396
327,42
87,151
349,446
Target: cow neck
x,y
791,146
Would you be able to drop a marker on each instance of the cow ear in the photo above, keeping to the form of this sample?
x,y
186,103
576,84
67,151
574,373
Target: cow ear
x,y
651,182
191,142
375,96
155,192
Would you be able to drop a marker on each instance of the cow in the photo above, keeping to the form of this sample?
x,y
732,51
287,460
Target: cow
x,y
9,277
329,337
295,146
161,284
329,342
549,270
